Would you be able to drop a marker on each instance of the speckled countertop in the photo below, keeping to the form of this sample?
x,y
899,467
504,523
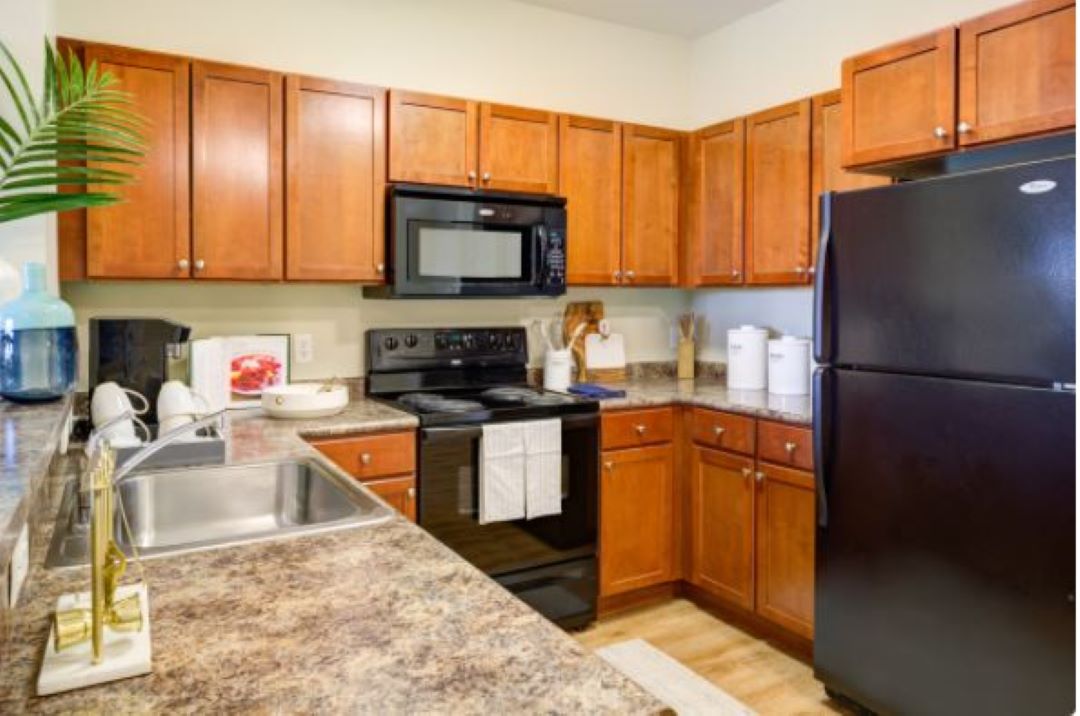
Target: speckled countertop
x,y
381,619
713,394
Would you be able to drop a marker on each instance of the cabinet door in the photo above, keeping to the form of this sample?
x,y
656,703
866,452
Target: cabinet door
x,y
147,234
1018,72
651,166
826,167
238,186
785,547
398,492
590,177
722,524
432,139
637,540
899,101
717,156
336,158
519,149
778,195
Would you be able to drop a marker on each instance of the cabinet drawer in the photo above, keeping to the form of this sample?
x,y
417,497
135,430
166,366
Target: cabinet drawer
x,y
724,430
786,445
631,428
371,456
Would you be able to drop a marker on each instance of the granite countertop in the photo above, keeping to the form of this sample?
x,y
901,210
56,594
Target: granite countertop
x,y
29,435
711,393
383,619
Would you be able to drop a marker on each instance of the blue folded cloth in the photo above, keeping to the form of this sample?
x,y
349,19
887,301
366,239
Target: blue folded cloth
x,y
592,390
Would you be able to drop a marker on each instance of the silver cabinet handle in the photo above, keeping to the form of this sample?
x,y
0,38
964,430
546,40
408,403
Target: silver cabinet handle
x,y
719,431
800,270
735,273
640,429
812,270
790,447
472,174
199,264
365,458
609,465
940,132
629,275
618,276
411,493
963,128
759,476
746,472
183,264
379,268
487,176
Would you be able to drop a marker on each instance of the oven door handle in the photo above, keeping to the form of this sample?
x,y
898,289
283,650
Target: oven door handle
x,y
459,432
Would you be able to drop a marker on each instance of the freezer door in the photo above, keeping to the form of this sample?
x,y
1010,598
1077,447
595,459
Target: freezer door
x,y
945,573
968,275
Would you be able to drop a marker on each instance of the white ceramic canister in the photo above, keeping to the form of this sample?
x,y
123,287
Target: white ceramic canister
x,y
558,367
789,366
746,366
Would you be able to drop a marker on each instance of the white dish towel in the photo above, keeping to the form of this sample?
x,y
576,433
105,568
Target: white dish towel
x,y
502,472
543,468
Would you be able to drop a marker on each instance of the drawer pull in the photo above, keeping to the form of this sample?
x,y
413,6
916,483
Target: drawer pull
x,y
365,458
759,476
790,447
609,465
719,431
746,472
640,429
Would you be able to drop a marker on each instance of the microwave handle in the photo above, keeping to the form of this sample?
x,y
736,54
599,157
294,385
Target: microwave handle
x,y
541,256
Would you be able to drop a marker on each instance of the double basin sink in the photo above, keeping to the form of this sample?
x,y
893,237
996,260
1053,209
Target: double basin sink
x,y
176,510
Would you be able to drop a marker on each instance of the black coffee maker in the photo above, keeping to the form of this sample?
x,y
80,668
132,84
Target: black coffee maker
x,y
135,353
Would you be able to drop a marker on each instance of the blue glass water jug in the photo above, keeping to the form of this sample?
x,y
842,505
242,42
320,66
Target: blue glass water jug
x,y
38,348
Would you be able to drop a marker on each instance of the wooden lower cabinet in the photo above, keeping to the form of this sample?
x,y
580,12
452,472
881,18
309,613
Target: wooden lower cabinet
x,y
398,492
637,540
785,547
722,524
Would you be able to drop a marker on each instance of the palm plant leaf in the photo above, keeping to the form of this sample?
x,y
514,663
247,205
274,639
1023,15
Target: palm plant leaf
x,y
81,134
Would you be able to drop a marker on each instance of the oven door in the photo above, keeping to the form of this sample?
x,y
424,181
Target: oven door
x,y
549,562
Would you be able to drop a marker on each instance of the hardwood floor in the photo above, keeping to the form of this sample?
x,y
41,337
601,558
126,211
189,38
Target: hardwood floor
x,y
753,671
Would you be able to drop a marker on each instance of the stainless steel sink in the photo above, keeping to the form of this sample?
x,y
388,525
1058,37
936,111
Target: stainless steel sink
x,y
171,511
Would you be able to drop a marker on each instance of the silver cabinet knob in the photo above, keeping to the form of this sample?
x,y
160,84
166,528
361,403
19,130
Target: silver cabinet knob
x,y
735,273
718,431
812,270
379,268
411,493
963,128
629,275
800,270
640,429
199,264
183,264
790,447
759,476
609,465
472,174
940,132
618,276
487,176
746,472
365,458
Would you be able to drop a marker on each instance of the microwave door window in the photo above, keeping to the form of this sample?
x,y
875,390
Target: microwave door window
x,y
468,254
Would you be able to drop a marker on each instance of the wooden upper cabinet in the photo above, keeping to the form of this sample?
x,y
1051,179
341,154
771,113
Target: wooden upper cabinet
x,y
785,547
826,167
651,169
147,234
778,195
899,101
722,525
636,512
238,185
1018,72
519,149
715,214
590,177
433,139
336,172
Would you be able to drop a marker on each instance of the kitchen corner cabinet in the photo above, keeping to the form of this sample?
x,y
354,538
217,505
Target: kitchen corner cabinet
x,y
146,235
777,200
715,210
335,153
637,495
384,462
1017,71
590,177
651,172
237,178
459,142
826,164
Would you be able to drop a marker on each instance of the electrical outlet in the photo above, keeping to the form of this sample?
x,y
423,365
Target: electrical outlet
x,y
303,348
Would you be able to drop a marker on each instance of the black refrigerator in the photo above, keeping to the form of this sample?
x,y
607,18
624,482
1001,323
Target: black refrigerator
x,y
944,425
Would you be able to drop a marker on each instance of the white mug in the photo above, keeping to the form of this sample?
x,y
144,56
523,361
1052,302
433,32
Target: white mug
x,y
176,400
110,401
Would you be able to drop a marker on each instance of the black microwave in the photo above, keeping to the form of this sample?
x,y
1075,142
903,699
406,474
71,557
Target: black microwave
x,y
446,241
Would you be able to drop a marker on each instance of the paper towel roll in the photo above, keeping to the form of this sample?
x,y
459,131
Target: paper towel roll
x,y
747,358
789,366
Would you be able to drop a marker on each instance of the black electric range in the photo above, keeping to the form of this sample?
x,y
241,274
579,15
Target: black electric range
x,y
455,380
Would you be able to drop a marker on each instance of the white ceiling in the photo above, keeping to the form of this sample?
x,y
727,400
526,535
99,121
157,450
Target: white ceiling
x,y
688,18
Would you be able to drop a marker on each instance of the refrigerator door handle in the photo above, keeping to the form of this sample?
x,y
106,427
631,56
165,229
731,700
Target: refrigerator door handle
x,y
823,340
822,437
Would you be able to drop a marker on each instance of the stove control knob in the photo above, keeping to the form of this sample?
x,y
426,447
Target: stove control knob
x,y
411,340
390,343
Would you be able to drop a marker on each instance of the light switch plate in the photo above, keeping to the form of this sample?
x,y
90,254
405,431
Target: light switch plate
x,y
303,348
20,565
